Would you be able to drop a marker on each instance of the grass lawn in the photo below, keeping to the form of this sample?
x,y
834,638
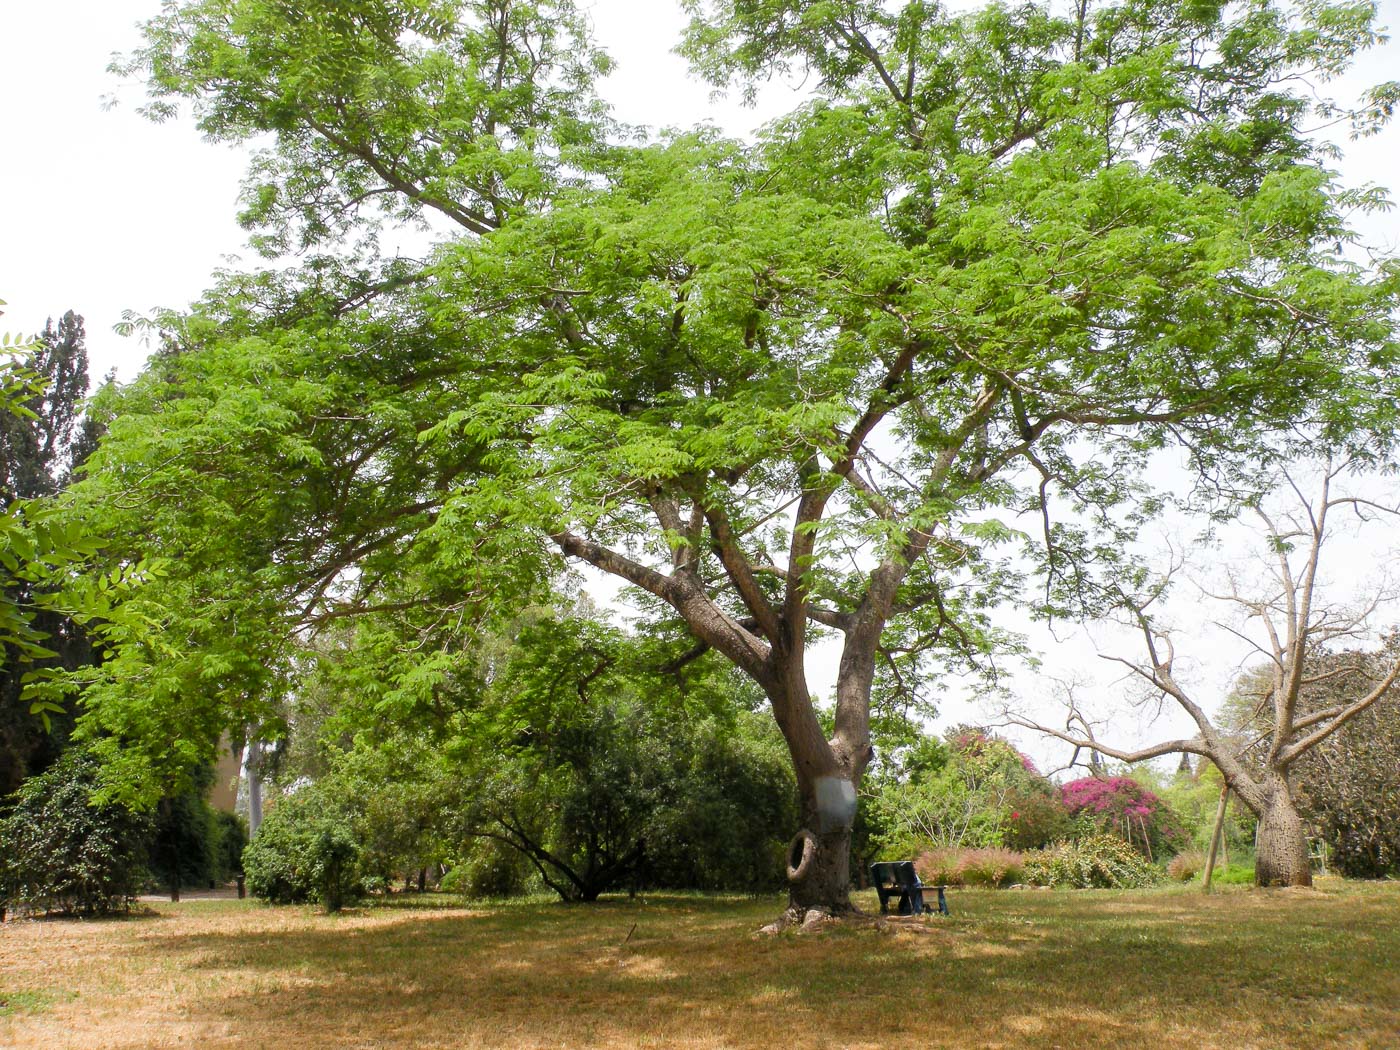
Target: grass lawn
x,y
1169,968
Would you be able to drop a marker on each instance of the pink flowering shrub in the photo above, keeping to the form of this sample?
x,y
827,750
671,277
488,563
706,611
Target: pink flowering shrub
x,y
1123,807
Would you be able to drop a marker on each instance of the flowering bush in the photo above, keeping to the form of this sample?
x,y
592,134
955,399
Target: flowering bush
x,y
1096,861
970,867
982,793
1037,817
1121,806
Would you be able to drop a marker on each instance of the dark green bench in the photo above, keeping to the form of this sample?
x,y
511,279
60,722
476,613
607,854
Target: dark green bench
x,y
898,878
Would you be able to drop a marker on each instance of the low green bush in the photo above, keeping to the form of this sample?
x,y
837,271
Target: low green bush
x,y
305,851
1095,861
489,868
61,852
1235,875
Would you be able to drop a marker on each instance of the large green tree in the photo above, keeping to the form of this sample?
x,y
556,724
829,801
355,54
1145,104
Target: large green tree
x,y
786,390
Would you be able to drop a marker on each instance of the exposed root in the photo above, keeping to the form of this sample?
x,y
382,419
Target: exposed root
x,y
812,920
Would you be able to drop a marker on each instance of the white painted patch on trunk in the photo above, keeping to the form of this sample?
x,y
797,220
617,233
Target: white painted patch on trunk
x,y
836,803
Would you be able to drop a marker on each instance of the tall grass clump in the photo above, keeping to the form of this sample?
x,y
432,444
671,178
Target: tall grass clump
x,y
990,866
1186,866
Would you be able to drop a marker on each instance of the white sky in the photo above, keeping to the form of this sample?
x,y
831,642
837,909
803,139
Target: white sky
x,y
102,211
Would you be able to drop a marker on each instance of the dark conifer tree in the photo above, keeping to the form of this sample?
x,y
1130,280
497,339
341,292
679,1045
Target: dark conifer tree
x,y
39,453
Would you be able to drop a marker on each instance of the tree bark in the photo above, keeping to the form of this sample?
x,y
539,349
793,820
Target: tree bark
x,y
252,761
819,856
819,872
1281,847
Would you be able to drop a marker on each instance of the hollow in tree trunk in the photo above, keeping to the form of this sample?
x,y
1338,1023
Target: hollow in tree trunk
x,y
1281,846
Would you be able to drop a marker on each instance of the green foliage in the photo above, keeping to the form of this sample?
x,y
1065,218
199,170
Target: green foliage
x,y
1027,248
1236,875
305,851
1091,862
183,847
489,868
1037,817
556,748
1349,785
62,851
611,780
1194,798
984,794
230,839
725,814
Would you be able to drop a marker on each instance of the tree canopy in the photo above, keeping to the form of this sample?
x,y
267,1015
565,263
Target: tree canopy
x,y
805,387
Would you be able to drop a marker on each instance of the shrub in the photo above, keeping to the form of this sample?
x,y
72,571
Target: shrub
x,y
183,845
992,867
970,867
940,867
1037,817
1349,787
61,852
230,839
1186,866
1095,861
489,869
305,851
1121,806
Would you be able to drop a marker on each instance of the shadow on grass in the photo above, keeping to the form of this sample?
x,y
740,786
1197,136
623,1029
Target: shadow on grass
x,y
1090,969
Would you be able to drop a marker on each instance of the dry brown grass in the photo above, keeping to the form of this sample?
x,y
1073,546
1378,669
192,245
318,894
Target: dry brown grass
x,y
1168,969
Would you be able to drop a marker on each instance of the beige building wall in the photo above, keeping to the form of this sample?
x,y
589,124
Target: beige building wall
x,y
224,793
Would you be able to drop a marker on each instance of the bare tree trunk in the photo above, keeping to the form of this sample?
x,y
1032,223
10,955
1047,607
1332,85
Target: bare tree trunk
x,y
1281,846
251,770
828,772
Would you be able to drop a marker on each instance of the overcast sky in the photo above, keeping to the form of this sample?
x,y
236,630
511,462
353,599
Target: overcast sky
x,y
102,211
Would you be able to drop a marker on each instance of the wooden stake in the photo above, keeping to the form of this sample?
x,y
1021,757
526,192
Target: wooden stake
x,y
1215,837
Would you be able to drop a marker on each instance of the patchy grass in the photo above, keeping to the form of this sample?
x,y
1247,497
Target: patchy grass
x,y
1170,968
13,1002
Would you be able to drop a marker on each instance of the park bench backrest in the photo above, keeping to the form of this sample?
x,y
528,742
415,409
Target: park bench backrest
x,y
895,873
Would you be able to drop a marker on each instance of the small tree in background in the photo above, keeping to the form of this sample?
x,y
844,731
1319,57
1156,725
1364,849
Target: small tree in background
x,y
230,837
184,844
306,851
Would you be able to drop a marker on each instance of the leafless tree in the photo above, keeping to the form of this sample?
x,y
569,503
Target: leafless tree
x,y
1295,626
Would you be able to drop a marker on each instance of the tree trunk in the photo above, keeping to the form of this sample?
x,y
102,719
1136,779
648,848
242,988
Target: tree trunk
x,y
253,776
819,857
1281,847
